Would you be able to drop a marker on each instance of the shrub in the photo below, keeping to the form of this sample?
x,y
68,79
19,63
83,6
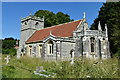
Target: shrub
x,y
11,51
117,54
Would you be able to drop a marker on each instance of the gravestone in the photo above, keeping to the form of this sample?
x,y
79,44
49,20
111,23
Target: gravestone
x,y
39,69
7,59
72,59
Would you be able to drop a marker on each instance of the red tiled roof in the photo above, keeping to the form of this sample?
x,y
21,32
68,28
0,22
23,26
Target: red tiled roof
x,y
62,30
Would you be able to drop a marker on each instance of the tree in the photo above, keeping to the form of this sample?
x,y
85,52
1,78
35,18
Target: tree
x,y
62,18
110,14
51,18
10,38
8,45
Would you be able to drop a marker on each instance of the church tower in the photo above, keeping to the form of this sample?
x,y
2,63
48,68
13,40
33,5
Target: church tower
x,y
28,26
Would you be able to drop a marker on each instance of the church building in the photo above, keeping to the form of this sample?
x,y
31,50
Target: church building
x,y
62,41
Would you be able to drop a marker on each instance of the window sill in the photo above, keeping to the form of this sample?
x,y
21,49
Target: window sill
x,y
49,54
92,53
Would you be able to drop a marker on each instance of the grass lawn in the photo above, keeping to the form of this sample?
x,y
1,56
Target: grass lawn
x,y
82,68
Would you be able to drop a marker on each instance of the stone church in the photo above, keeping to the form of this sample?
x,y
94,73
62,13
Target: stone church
x,y
61,41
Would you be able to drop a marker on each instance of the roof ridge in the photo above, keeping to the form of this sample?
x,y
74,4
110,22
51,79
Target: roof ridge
x,y
60,24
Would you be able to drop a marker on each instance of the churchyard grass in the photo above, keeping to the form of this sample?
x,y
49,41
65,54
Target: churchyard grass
x,y
82,68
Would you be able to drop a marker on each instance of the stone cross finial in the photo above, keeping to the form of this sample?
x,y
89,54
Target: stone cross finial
x,y
7,59
84,16
99,26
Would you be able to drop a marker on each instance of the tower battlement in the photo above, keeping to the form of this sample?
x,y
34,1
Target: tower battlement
x,y
33,18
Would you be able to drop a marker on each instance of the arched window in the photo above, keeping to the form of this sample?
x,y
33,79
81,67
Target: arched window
x,y
22,50
36,24
30,49
72,53
40,50
25,23
50,47
92,47
92,39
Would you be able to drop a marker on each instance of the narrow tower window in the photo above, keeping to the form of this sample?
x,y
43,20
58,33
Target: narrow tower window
x,y
36,24
25,23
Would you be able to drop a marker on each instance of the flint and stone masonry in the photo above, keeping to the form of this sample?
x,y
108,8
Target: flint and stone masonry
x,y
59,41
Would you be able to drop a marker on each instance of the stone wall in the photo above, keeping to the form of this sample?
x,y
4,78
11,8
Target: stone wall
x,y
78,47
66,48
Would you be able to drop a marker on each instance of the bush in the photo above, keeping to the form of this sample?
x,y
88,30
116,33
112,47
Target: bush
x,y
117,54
11,51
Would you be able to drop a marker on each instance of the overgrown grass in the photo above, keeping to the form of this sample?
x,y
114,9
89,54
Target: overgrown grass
x,y
82,68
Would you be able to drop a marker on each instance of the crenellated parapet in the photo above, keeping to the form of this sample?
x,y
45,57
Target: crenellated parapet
x,y
90,33
32,17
